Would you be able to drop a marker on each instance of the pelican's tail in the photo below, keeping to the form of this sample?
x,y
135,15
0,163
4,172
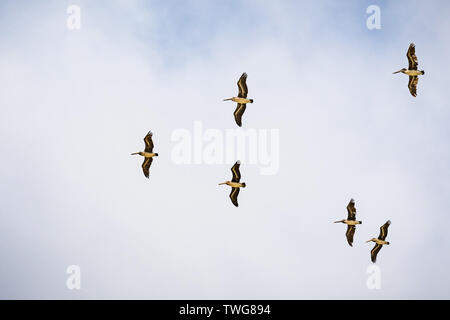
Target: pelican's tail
x,y
156,154
359,222
243,185
251,100
423,72
387,242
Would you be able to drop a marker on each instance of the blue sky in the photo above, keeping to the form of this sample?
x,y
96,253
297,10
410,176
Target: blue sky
x,y
75,104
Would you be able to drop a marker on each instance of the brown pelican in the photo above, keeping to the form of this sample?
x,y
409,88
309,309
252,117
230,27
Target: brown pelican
x,y
412,71
350,222
241,99
234,183
147,153
379,242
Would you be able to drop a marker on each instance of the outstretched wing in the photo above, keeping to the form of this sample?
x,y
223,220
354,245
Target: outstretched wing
x,y
234,196
349,234
239,112
235,171
148,142
242,85
412,59
146,166
412,85
351,210
384,230
374,252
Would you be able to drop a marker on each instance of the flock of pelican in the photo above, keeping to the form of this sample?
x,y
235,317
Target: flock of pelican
x,y
235,183
351,223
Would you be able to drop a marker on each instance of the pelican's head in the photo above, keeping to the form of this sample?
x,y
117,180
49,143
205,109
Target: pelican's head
x,y
401,70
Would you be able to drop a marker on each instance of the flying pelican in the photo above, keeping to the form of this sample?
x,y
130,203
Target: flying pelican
x,y
234,183
147,153
379,242
350,222
412,71
241,99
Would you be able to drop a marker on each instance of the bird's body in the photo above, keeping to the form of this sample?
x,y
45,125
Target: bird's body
x,y
412,71
148,154
241,99
351,222
380,241
235,183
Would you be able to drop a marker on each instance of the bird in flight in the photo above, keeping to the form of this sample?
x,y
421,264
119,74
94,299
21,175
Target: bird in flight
x,y
380,241
241,99
412,71
147,153
235,183
350,222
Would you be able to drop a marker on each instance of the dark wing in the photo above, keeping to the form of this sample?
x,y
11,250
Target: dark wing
x,y
412,59
239,112
242,85
349,234
374,252
146,166
148,142
236,173
351,210
384,230
412,85
234,195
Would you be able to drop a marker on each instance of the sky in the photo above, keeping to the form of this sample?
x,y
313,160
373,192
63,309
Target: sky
x,y
74,103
